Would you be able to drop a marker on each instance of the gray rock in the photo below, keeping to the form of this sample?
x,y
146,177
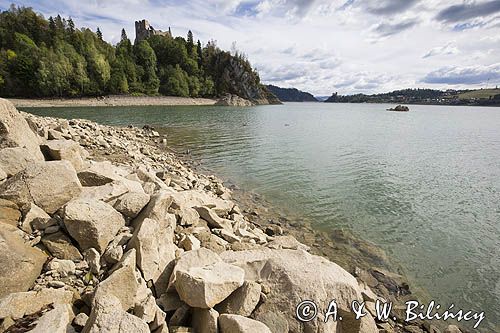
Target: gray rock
x,y
121,283
242,301
63,267
80,319
195,258
63,150
36,219
93,259
15,131
189,243
204,287
212,218
17,305
452,329
275,321
50,185
21,264
108,316
14,160
92,223
153,241
57,320
295,275
60,246
205,320
229,323
131,204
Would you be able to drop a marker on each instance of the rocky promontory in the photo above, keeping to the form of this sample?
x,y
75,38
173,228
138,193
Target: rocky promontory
x,y
94,243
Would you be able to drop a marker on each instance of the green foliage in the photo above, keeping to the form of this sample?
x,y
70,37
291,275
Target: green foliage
x,y
51,57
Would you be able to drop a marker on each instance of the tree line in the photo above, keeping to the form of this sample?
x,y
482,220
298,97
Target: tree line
x,y
52,58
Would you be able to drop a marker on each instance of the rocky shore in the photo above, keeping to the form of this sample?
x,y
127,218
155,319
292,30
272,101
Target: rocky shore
x,y
112,101
102,230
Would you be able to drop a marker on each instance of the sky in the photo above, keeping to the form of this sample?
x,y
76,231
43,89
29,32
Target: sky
x,y
344,46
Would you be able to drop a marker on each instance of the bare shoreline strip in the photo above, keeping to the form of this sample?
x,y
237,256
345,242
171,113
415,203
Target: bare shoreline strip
x,y
113,101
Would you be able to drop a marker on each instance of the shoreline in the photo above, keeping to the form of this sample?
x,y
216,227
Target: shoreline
x,y
112,100
140,158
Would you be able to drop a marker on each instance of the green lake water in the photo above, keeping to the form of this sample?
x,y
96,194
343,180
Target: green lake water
x,y
424,185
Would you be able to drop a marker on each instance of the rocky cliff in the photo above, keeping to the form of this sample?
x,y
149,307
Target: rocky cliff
x,y
144,244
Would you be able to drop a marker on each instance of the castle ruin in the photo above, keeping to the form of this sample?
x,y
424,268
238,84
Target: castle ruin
x,y
144,30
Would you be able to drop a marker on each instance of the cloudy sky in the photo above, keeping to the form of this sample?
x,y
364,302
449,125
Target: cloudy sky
x,y
348,46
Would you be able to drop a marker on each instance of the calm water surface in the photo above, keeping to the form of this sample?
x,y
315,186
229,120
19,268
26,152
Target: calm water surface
x,y
424,185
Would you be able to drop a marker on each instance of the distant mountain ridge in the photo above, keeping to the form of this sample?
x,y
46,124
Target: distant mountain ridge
x,y
291,94
484,97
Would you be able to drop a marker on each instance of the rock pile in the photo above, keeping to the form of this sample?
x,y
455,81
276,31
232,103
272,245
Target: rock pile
x,y
147,246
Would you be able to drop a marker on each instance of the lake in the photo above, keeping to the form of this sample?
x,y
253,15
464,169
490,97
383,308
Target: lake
x,y
424,185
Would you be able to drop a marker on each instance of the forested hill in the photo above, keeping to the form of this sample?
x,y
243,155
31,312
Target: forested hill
x,y
291,94
52,58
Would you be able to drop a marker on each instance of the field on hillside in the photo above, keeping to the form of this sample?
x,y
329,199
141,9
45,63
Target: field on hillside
x,y
481,93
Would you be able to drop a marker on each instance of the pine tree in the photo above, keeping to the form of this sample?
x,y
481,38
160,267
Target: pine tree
x,y
124,35
190,44
199,51
99,33
71,25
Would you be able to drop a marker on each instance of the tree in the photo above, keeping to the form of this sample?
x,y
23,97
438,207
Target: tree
x,y
71,25
190,44
146,62
99,33
124,35
199,53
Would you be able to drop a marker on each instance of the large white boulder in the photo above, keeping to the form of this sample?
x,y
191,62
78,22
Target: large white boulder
x,y
295,275
15,131
14,160
20,263
204,287
108,316
50,185
64,150
92,223
153,240
57,320
229,323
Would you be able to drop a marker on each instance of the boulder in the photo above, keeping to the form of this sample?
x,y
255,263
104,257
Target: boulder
x,y
21,264
286,242
57,320
122,282
63,150
242,301
9,213
205,320
276,322
452,329
190,242
195,258
93,259
153,240
17,305
194,198
212,218
92,223
187,216
14,160
204,287
60,246
108,316
295,275
3,175
15,131
229,323
131,204
61,266
50,185
36,219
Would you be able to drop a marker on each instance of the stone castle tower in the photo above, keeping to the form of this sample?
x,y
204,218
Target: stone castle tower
x,y
144,30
